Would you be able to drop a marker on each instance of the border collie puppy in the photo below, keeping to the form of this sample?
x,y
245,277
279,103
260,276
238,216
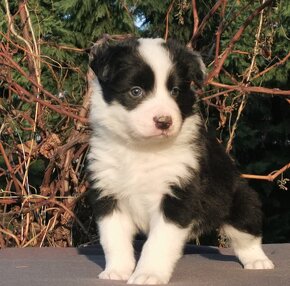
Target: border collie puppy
x,y
153,168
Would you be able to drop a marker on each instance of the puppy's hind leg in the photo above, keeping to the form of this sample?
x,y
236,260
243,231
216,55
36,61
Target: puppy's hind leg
x,y
244,228
248,249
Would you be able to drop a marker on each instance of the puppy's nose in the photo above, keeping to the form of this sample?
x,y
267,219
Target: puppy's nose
x,y
162,122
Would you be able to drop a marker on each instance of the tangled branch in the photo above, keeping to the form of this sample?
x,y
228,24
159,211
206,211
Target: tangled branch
x,y
52,133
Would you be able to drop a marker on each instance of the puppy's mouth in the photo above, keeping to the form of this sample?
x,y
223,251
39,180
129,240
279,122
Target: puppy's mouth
x,y
165,134
160,135
160,131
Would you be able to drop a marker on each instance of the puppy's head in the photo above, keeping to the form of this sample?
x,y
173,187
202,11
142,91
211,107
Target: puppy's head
x,y
143,88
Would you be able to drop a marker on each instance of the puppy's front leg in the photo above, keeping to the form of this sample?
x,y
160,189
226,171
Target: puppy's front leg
x,y
116,234
160,253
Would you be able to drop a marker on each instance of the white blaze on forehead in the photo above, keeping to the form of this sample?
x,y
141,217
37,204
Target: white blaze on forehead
x,y
161,103
157,57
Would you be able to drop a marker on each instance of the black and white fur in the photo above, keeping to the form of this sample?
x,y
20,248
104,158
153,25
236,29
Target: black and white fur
x,y
154,169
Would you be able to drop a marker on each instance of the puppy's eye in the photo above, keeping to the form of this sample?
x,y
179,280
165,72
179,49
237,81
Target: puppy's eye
x,y
136,91
175,91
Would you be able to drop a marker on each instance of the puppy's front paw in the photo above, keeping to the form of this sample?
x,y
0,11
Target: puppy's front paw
x,y
115,275
147,278
259,264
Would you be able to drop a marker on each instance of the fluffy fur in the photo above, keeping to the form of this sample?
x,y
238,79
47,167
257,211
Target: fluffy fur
x,y
154,169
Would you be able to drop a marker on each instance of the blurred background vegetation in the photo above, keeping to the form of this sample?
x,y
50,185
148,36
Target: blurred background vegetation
x,y
44,101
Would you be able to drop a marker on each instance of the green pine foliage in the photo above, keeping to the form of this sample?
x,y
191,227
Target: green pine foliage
x,y
88,20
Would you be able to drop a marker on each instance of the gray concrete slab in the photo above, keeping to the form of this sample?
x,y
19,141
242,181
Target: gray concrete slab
x,y
202,266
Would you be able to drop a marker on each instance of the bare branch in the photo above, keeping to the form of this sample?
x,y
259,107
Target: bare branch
x,y
251,89
270,177
167,20
235,38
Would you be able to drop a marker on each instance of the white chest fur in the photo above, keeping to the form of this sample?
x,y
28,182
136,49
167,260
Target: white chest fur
x,y
122,172
139,177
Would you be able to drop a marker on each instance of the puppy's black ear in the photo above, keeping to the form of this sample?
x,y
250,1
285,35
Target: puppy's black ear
x,y
108,59
196,68
99,59
188,60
